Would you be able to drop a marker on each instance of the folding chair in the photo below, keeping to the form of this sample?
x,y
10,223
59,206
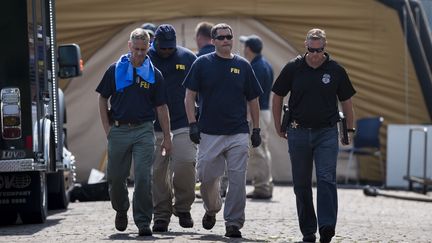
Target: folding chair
x,y
366,142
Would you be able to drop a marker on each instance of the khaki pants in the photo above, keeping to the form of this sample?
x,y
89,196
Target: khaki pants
x,y
259,168
174,176
213,152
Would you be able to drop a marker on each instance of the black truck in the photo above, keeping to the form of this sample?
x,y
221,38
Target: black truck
x,y
36,168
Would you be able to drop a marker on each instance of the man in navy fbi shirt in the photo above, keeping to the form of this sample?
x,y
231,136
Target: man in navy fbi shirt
x,y
316,83
174,175
226,85
134,88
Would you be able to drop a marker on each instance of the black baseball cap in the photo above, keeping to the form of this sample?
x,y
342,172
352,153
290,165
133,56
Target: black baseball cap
x,y
254,42
150,28
165,36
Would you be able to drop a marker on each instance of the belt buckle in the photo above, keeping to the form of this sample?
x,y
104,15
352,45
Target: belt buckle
x,y
116,123
294,124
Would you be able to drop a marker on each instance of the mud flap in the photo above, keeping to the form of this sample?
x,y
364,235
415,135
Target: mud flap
x,y
24,193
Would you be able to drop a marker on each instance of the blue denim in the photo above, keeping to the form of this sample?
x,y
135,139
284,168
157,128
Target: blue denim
x,y
305,146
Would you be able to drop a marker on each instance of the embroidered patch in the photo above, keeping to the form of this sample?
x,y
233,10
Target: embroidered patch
x,y
326,78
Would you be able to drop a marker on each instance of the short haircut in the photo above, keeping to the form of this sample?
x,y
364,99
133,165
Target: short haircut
x,y
204,29
219,27
316,34
140,34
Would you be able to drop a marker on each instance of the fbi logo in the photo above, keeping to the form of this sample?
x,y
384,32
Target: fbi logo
x,y
235,70
180,67
144,84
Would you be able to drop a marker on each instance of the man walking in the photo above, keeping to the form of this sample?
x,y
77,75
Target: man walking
x,y
226,85
173,175
316,83
134,88
203,38
259,165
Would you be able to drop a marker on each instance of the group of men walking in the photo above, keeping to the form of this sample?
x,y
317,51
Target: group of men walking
x,y
181,118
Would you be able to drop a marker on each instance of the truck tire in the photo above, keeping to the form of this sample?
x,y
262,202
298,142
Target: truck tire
x,y
58,198
38,212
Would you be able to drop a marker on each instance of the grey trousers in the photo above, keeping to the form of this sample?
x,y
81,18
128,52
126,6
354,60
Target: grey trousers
x,y
213,152
174,176
125,142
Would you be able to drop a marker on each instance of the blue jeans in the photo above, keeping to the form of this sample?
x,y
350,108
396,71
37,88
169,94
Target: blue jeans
x,y
305,146
125,143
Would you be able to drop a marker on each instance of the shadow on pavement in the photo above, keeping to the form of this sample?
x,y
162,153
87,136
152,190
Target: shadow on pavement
x,y
213,237
169,236
27,229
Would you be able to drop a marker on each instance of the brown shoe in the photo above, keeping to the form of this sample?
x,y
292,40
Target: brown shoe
x,y
121,220
208,221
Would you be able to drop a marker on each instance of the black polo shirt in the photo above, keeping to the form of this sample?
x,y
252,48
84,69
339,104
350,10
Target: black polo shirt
x,y
224,87
136,102
314,93
174,69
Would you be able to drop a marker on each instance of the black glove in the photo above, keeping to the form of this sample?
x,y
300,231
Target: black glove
x,y
194,132
256,137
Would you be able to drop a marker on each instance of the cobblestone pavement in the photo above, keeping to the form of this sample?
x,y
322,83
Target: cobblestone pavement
x,y
361,219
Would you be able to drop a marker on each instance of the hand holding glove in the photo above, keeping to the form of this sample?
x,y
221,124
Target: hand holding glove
x,y
256,137
194,132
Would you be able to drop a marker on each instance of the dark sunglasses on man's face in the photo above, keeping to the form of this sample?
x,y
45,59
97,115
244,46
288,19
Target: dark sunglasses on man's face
x,y
312,50
222,37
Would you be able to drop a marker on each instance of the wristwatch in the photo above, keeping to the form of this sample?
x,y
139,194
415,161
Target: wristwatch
x,y
353,130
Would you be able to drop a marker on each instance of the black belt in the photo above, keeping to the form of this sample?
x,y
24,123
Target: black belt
x,y
295,125
129,123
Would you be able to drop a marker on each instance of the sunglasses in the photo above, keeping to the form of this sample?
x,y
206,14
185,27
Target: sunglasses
x,y
312,50
222,37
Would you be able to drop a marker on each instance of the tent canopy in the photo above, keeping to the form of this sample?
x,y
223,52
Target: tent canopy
x,y
365,37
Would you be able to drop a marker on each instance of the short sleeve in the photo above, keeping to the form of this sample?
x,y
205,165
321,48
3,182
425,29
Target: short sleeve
x,y
191,80
106,87
345,89
253,87
283,82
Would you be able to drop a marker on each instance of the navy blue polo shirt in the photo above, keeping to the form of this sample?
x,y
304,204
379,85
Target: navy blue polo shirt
x,y
206,50
314,93
136,102
264,73
224,87
174,69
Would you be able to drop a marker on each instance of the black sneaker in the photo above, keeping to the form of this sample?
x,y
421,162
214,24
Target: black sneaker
x,y
326,233
208,221
146,231
233,231
309,238
160,225
185,219
121,220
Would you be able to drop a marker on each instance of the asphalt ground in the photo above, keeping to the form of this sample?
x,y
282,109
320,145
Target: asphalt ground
x,y
361,219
